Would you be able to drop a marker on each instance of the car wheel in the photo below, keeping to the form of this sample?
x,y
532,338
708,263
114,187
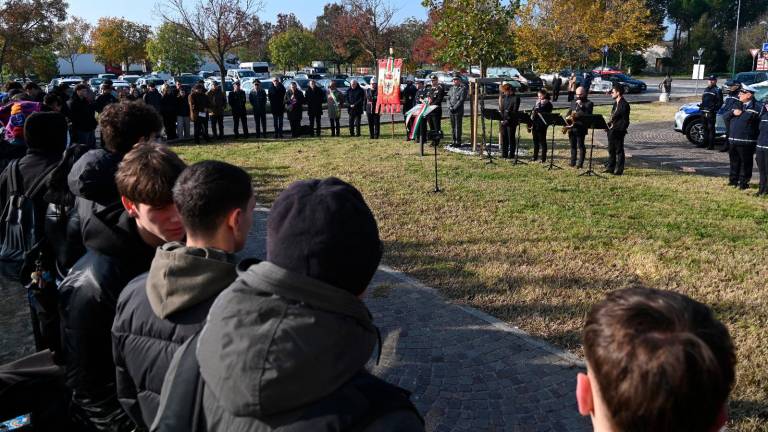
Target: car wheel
x,y
695,132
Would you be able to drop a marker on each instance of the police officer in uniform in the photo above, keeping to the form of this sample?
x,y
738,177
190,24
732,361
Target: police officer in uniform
x,y
730,102
409,100
744,124
436,96
762,151
578,131
422,96
456,97
509,105
539,127
711,101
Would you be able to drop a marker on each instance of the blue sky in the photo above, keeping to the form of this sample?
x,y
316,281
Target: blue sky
x,y
143,10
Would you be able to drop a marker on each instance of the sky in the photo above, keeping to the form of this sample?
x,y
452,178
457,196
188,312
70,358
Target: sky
x,y
143,11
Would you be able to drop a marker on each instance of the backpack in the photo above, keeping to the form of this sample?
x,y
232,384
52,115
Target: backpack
x,y
18,222
181,406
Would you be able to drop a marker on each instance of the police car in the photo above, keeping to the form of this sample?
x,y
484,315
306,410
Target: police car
x,y
688,117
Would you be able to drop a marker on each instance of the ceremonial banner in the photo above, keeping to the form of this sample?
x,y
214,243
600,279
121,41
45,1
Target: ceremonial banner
x,y
389,85
416,117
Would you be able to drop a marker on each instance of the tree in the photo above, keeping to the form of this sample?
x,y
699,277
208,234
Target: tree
x,y
218,26
257,42
335,42
293,48
25,24
370,24
73,39
287,22
173,49
119,41
39,62
404,37
475,32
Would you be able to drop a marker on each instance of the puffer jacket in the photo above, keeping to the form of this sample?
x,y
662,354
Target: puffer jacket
x,y
87,301
156,313
744,129
92,182
306,345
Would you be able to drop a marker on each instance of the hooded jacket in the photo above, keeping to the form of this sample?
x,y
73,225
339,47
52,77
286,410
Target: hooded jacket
x,y
87,301
92,182
82,113
282,351
156,313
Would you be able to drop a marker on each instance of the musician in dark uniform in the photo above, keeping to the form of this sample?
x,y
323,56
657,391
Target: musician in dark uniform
x,y
456,97
745,128
617,130
509,105
422,96
711,101
436,96
578,131
539,127
730,102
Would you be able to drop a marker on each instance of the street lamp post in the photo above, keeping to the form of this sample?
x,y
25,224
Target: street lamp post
x,y
605,57
736,40
699,51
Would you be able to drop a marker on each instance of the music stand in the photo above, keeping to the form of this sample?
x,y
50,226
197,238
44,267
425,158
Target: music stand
x,y
554,120
592,121
521,117
490,114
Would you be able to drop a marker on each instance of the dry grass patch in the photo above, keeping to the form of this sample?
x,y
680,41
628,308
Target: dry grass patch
x,y
537,248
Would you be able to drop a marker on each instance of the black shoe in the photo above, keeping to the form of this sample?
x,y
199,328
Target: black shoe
x,y
743,187
618,173
711,147
580,166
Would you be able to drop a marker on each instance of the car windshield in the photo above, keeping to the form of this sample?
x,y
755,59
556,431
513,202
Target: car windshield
x,y
261,69
95,81
302,83
339,83
131,79
745,77
187,79
246,73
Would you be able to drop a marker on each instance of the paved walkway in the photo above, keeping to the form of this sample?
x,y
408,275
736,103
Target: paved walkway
x,y
467,370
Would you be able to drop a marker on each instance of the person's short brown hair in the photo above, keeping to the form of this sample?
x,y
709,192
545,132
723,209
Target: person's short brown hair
x,y
124,124
506,87
148,173
661,360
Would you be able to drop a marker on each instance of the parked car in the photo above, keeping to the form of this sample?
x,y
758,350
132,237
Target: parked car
x,y
107,76
130,78
527,79
564,74
240,74
206,74
606,70
630,84
71,82
261,69
600,85
247,86
688,121
186,80
423,73
363,80
749,78
150,79
342,85
228,84
95,84
301,83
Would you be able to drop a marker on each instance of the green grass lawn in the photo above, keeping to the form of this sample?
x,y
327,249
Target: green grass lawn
x,y
537,248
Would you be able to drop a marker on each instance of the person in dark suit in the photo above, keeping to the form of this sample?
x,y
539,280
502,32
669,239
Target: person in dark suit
x,y
743,134
456,97
617,130
315,97
557,84
539,126
578,131
258,99
294,99
355,102
409,100
711,101
374,118
509,105
276,103
436,96
236,99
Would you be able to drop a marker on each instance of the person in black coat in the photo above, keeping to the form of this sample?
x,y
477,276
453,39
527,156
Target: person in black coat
x,y
152,97
258,99
578,131
120,241
182,112
168,110
409,100
236,99
315,97
159,310
371,113
105,97
711,101
730,102
277,105
744,131
82,114
509,105
761,154
294,101
539,127
436,96
617,130
557,84
355,105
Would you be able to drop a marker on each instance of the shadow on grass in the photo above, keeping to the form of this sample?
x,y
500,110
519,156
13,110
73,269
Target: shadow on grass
x,y
744,410
268,181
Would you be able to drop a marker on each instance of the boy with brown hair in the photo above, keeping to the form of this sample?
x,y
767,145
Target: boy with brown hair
x,y
656,361
120,241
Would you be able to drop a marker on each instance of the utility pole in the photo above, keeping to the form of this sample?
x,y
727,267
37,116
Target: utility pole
x,y
700,51
736,41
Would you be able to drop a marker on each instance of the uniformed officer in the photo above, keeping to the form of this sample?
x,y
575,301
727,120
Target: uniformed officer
x,y
762,151
745,123
422,96
539,127
409,100
578,131
436,96
730,102
456,97
711,101
509,105
371,113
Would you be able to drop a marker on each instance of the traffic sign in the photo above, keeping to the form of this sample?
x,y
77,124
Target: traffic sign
x,y
698,72
765,46
754,51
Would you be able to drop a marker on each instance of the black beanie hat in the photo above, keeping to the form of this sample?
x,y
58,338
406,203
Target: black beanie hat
x,y
324,229
46,131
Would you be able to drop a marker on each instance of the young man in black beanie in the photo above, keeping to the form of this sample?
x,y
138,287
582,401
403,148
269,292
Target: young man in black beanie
x,y
159,310
286,344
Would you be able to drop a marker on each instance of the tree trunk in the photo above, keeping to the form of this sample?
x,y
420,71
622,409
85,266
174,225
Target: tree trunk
x,y
2,60
72,63
621,55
